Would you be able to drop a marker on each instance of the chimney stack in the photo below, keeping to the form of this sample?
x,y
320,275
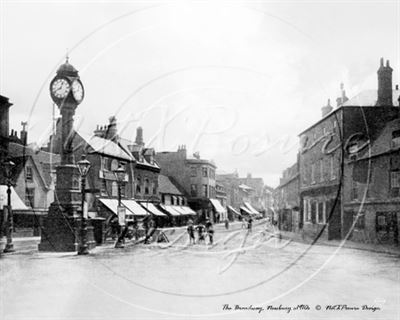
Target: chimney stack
x,y
139,136
111,133
342,99
327,109
24,133
385,93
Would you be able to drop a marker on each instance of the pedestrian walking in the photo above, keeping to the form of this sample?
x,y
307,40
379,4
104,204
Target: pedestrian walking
x,y
200,233
226,224
190,231
250,224
210,231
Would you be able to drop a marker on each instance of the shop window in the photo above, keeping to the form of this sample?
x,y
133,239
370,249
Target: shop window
x,y
313,211
29,174
321,212
395,183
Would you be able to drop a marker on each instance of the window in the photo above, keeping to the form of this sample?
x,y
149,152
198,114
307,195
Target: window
x,y
332,169
154,187
359,219
313,211
321,170
146,186
114,164
205,171
313,173
321,212
30,197
138,185
205,190
354,190
114,189
396,139
103,188
29,174
193,172
103,163
395,183
193,190
307,210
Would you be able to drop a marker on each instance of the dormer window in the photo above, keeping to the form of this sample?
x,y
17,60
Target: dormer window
x,y
396,139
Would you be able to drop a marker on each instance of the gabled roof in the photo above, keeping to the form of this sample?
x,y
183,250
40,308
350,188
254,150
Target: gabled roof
x,y
125,143
166,186
106,147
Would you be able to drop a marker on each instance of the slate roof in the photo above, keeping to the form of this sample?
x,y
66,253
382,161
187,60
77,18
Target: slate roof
x,y
166,186
106,147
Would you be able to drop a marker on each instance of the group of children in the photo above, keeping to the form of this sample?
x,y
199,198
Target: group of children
x,y
202,232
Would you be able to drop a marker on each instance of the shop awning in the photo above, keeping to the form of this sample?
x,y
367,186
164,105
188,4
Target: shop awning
x,y
16,202
217,206
170,210
153,209
188,211
252,210
234,210
247,211
180,210
112,205
135,208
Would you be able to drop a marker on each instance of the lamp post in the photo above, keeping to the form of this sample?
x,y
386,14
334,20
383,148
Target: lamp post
x,y
83,166
8,165
120,176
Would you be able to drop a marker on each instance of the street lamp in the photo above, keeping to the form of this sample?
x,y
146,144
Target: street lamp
x,y
8,165
120,176
83,166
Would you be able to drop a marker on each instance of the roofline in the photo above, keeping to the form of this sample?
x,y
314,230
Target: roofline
x,y
340,108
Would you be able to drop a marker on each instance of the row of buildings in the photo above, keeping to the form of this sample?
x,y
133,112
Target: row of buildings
x,y
172,187
346,180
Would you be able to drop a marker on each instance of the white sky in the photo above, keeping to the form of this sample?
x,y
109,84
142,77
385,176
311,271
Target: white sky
x,y
234,80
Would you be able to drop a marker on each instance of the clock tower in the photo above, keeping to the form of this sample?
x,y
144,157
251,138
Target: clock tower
x,y
61,227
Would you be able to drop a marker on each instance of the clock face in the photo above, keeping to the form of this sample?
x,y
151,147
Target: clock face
x,y
60,88
77,90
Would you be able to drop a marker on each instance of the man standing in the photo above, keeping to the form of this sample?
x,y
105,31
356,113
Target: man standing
x,y
190,230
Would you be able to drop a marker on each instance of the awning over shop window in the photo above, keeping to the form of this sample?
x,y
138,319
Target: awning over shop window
x,y
247,211
251,209
170,210
188,211
217,206
153,209
112,205
135,208
234,210
16,202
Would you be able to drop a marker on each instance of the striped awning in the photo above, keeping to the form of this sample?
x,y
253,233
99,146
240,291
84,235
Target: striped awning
x,y
152,209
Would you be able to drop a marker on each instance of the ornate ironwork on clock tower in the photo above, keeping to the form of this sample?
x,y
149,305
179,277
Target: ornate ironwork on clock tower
x,y
60,230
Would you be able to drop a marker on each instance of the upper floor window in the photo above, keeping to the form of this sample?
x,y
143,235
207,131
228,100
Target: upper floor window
x,y
205,190
193,171
30,197
332,169
205,171
313,173
103,163
193,190
114,189
146,186
359,219
396,139
114,165
29,174
138,185
395,183
103,187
